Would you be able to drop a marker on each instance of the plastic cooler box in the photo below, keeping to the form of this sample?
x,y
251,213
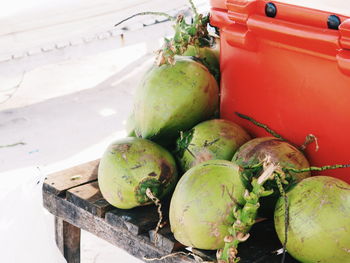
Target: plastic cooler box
x,y
288,67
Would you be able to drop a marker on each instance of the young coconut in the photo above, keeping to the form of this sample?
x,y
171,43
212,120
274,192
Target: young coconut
x,y
180,92
132,167
208,55
286,155
319,220
255,151
130,126
201,208
213,139
173,98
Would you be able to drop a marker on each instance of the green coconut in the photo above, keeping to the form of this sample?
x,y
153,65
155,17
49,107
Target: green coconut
x,y
132,165
173,98
208,140
281,152
130,126
319,220
201,208
209,56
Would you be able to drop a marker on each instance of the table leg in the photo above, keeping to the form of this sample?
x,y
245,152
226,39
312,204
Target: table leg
x,y
68,240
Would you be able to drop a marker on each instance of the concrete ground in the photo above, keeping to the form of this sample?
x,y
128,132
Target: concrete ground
x,y
58,133
66,89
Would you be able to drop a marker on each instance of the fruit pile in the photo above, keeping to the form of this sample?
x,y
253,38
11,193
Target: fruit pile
x,y
219,177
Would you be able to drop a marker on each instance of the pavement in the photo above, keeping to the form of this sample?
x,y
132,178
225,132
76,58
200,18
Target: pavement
x,y
66,90
56,133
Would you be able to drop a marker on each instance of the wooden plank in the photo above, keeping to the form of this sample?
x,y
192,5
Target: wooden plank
x,y
68,240
59,182
85,206
165,240
89,197
137,220
261,247
138,246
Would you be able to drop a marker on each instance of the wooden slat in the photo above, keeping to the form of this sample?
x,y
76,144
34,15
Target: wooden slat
x,y
123,228
137,220
59,182
89,197
139,246
165,240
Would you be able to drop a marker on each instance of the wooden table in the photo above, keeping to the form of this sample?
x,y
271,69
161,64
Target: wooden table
x,y
74,198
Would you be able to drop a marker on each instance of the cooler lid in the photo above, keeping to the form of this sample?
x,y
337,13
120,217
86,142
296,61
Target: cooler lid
x,y
321,13
341,7
317,27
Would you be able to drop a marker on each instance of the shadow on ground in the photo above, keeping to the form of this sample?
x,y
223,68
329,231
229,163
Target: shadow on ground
x,y
62,127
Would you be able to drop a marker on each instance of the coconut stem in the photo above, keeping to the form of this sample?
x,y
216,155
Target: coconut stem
x,y
286,213
314,168
147,13
245,216
310,138
157,202
194,9
196,257
264,126
195,34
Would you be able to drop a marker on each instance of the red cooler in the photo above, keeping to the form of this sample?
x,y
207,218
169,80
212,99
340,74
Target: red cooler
x,y
288,67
